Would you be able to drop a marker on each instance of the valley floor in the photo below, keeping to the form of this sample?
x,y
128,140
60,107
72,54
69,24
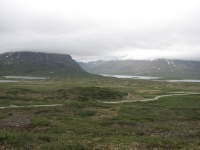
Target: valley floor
x,y
83,120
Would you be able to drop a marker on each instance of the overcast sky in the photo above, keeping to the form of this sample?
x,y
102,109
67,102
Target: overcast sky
x,y
92,29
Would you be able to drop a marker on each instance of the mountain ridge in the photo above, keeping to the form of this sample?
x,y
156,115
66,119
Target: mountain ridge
x,y
167,68
38,63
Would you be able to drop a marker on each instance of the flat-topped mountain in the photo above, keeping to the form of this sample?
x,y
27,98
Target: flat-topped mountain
x,y
158,67
38,63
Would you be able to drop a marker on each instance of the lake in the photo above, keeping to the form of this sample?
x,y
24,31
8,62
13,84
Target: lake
x,y
131,77
7,81
25,77
149,78
184,80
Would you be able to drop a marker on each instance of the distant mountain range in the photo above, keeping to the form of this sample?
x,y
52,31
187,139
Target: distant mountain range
x,y
51,64
40,64
173,69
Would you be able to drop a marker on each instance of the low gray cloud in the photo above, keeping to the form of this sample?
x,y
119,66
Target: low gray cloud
x,y
88,32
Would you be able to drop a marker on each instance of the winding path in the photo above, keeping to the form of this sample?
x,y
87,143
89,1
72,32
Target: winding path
x,y
151,99
14,106
114,102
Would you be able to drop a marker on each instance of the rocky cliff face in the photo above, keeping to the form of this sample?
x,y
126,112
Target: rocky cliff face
x,y
158,67
37,63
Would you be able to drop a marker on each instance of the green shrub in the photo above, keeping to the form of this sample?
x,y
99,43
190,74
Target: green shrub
x,y
90,93
83,99
139,133
44,138
63,146
23,140
107,122
58,129
2,117
78,105
5,136
85,113
126,122
40,122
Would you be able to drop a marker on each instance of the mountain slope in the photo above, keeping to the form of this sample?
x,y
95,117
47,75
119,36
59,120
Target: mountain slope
x,y
159,68
37,63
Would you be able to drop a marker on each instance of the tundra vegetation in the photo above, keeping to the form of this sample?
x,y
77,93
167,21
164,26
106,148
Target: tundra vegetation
x,y
85,122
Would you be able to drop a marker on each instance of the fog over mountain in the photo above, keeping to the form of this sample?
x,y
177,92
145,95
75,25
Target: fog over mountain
x,y
91,30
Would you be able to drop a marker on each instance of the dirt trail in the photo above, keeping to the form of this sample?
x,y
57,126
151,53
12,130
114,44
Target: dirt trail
x,y
151,99
114,102
14,106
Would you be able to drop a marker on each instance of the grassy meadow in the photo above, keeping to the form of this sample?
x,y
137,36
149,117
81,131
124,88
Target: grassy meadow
x,y
84,122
